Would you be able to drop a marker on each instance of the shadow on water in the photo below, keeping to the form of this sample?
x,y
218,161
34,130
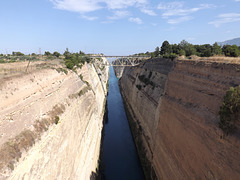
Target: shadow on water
x,y
119,158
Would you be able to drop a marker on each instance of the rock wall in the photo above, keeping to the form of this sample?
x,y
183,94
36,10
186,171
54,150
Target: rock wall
x,y
173,113
51,123
118,71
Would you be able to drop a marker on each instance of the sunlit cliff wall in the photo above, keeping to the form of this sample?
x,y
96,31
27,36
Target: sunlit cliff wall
x,y
51,123
173,112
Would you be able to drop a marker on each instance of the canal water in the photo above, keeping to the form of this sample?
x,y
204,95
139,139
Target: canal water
x,y
120,156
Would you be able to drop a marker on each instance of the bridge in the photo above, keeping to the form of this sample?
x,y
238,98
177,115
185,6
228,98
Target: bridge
x,y
122,60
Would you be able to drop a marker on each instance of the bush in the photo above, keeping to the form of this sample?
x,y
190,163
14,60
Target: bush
x,y
146,80
75,59
57,119
56,54
62,70
139,87
171,56
229,111
69,64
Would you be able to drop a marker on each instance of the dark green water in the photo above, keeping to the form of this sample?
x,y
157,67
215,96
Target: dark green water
x,y
120,156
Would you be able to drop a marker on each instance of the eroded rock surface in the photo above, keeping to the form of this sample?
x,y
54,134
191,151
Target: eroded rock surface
x,y
61,114
173,109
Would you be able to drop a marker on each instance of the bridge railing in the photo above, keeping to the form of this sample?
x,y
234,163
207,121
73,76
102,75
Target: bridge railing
x,y
123,60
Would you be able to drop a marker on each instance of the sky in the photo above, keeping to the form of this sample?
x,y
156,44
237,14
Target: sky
x,y
114,27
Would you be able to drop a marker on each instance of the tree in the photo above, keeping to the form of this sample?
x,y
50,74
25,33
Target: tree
x,y
229,111
156,52
57,54
47,53
66,53
165,48
17,54
206,50
190,50
183,44
182,52
231,51
235,52
175,48
81,53
187,47
216,49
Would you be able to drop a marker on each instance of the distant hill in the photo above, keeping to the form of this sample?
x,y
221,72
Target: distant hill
x,y
230,42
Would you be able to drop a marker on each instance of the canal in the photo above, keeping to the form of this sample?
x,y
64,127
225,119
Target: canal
x,y
120,156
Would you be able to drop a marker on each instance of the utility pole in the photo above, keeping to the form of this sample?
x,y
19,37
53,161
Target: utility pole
x,y
40,53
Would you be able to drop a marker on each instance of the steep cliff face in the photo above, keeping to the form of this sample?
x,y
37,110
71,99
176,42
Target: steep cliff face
x,y
174,118
51,123
119,71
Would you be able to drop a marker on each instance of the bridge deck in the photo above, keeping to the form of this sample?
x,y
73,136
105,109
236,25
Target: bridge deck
x,y
119,56
123,60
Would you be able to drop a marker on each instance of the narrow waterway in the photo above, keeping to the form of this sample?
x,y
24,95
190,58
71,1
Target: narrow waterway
x,y
120,156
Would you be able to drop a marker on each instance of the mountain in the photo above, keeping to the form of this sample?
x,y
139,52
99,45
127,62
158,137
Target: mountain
x,y
230,42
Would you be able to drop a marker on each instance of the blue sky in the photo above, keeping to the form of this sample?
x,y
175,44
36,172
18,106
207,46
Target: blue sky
x,y
114,27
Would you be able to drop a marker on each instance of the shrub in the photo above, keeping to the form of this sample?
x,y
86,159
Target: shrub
x,y
81,77
56,54
69,64
57,119
145,80
229,111
75,59
150,74
139,87
62,70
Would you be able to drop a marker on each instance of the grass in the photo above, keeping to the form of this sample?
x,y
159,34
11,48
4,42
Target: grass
x,y
62,70
219,59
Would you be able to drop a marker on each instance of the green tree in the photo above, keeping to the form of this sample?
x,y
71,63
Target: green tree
x,y
229,111
165,48
182,52
235,52
81,53
190,50
156,52
47,53
206,50
17,54
187,47
183,44
231,51
57,54
216,49
66,52
175,48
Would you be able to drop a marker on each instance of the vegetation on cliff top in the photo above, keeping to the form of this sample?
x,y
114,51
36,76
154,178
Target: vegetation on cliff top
x,y
19,56
230,110
75,59
187,49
